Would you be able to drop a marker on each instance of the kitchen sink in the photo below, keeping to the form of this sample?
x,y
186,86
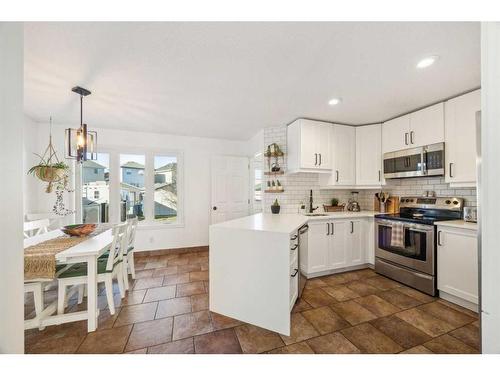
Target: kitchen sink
x,y
316,214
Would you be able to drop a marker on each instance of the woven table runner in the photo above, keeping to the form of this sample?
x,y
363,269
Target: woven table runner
x,y
40,259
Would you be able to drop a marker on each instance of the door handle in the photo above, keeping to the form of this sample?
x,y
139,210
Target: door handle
x,y
327,229
449,170
411,136
439,239
319,159
352,226
214,208
336,176
406,139
295,273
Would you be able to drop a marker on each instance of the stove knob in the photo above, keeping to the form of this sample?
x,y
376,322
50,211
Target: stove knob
x,y
447,201
455,202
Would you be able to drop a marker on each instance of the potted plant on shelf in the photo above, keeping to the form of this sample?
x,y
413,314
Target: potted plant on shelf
x,y
335,202
275,207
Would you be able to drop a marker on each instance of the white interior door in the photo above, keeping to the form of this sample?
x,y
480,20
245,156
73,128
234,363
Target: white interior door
x,y
230,184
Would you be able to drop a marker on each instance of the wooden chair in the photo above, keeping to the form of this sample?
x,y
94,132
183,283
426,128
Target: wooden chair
x,y
35,227
108,269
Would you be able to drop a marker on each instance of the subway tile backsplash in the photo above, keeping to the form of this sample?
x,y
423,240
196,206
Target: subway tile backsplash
x,y
297,186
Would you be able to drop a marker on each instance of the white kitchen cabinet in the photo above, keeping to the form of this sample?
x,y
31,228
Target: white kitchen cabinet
x,y
369,155
343,157
460,138
335,244
457,266
309,146
420,128
427,126
395,134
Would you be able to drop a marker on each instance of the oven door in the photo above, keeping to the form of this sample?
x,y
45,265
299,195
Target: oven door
x,y
418,251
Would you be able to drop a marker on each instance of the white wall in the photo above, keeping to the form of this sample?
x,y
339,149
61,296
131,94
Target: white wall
x,y
489,187
196,152
11,188
29,159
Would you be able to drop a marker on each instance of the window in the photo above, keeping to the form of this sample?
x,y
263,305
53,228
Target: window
x,y
165,188
257,183
132,187
95,190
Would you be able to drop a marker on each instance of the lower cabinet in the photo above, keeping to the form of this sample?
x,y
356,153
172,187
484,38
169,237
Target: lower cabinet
x,y
457,266
335,244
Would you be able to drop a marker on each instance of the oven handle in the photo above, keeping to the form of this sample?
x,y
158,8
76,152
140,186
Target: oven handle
x,y
408,227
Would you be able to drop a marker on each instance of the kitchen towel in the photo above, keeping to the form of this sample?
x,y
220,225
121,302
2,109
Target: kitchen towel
x,y
398,235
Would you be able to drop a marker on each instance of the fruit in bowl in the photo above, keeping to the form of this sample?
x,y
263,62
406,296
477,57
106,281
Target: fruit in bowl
x,y
79,230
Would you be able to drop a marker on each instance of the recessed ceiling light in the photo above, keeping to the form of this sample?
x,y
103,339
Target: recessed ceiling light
x,y
426,62
334,101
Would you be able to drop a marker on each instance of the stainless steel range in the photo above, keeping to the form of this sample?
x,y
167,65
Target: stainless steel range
x,y
405,243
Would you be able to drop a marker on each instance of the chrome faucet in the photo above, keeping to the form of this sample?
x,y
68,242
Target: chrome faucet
x,y
311,208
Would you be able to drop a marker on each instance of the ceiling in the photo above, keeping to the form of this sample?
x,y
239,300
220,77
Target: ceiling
x,y
228,80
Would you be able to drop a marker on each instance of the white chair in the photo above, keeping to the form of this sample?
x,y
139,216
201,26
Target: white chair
x,y
35,227
129,250
108,269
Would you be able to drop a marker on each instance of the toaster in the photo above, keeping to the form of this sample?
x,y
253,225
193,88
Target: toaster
x,y
470,214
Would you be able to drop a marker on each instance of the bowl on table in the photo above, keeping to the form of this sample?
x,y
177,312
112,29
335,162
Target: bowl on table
x,y
79,230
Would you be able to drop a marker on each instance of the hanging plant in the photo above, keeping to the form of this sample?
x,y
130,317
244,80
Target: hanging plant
x,y
50,169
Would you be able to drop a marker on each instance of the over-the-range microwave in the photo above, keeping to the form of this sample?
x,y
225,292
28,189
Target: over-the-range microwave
x,y
415,162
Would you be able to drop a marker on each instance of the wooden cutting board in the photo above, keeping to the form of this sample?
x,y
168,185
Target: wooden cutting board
x,y
391,207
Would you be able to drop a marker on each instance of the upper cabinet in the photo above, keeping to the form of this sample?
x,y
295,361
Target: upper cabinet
x,y
343,157
416,129
369,155
460,138
308,146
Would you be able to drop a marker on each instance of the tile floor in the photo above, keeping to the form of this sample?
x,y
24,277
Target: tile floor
x,y
166,311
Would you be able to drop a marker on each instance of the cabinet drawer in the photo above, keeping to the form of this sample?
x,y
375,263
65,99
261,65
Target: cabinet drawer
x,y
294,288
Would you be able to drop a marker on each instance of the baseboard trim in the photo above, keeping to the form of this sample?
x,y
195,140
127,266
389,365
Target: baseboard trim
x,y
338,270
178,250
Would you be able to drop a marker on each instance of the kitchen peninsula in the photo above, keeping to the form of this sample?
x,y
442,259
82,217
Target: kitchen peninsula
x,y
256,261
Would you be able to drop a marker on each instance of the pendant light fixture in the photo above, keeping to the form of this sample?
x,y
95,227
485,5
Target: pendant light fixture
x,y
80,143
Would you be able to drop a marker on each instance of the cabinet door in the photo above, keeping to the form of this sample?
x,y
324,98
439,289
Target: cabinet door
x,y
460,138
323,135
317,247
344,155
355,243
395,134
337,257
427,126
369,155
308,152
457,263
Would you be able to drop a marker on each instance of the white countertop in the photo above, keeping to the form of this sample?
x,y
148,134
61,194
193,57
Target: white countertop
x,y
460,224
285,223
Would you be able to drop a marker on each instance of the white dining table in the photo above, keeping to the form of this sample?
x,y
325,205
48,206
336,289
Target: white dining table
x,y
87,251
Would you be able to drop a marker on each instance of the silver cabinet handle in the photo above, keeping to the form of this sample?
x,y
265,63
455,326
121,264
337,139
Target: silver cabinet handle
x,y
315,159
295,273
294,237
337,176
439,239
327,229
352,226
319,159
294,247
333,228
449,170
411,136
406,139
379,176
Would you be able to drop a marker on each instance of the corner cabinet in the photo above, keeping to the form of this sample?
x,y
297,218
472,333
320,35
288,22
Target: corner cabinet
x,y
369,155
308,146
457,266
460,138
335,245
343,157
416,129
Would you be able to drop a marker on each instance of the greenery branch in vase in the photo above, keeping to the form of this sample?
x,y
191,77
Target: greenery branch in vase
x,y
275,207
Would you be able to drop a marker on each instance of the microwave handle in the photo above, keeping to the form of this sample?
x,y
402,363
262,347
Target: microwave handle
x,y
423,161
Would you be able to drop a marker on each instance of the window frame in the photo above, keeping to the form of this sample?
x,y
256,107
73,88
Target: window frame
x,y
149,221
